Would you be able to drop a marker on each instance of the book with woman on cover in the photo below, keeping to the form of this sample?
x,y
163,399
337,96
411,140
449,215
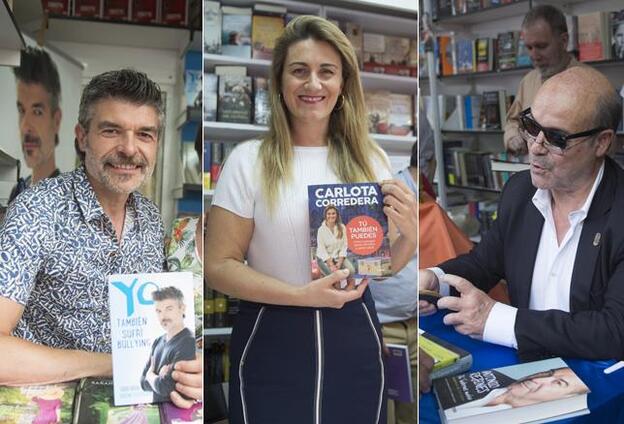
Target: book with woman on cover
x,y
152,327
528,392
348,230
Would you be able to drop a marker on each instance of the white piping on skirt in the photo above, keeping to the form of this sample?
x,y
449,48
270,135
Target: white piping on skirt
x,y
319,367
380,362
242,363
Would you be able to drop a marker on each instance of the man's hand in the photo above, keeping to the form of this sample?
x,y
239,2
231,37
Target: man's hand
x,y
517,146
472,308
189,379
425,366
427,280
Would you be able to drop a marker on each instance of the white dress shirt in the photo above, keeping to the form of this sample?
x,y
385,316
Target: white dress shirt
x,y
552,272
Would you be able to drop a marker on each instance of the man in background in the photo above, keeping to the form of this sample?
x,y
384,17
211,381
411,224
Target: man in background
x,y
396,301
545,35
39,112
175,345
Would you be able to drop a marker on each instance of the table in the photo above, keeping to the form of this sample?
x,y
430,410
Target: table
x,y
606,400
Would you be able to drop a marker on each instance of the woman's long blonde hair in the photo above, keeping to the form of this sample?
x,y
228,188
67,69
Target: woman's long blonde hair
x,y
351,150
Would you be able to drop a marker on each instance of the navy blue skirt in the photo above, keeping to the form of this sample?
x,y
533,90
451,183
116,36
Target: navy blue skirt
x,y
297,365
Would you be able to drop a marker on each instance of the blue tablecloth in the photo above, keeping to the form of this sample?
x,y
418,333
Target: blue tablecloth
x,y
606,400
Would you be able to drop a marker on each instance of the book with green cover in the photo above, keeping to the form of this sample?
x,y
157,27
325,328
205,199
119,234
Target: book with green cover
x,y
448,359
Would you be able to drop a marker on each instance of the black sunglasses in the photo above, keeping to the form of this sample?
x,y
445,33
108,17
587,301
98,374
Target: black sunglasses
x,y
554,137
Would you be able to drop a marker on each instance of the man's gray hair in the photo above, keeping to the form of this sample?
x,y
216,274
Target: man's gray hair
x,y
125,84
608,111
170,292
549,14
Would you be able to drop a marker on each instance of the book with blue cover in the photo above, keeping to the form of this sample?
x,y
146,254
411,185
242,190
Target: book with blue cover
x,y
348,230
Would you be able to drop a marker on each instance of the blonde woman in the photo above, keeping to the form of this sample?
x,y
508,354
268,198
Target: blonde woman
x,y
302,351
331,243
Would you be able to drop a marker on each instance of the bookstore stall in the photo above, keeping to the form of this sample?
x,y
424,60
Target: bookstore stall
x,y
479,59
85,39
238,40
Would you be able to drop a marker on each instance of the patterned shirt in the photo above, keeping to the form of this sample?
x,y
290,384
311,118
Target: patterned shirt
x,y
57,248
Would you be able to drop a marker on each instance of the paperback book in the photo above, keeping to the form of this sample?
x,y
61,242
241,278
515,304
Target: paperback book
x,y
236,31
448,359
212,27
348,230
152,328
533,391
400,384
235,103
94,405
48,403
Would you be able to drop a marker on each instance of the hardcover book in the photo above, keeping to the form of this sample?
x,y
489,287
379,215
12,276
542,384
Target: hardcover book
x,y
57,7
236,31
533,391
234,99
348,230
484,54
378,107
354,33
152,328
593,36
617,34
48,403
87,8
94,405
262,108
211,87
400,385
116,10
490,111
507,50
464,51
212,27
174,12
145,11
265,31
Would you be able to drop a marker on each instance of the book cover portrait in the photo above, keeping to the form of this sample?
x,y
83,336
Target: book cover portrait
x,y
348,230
152,327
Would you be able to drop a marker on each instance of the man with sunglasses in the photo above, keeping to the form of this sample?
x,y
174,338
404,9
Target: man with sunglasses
x,y
545,35
558,240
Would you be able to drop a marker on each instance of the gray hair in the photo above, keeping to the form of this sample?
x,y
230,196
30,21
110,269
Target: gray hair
x,y
124,84
549,14
170,292
608,111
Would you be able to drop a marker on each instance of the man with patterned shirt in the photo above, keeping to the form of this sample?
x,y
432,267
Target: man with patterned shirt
x,y
63,237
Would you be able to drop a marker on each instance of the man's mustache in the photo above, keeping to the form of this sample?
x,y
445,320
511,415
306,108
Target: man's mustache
x,y
31,139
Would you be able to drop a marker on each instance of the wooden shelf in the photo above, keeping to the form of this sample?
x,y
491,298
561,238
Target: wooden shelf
x,y
11,40
370,80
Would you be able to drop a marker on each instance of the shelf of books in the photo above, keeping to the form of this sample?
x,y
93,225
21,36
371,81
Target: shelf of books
x,y
479,52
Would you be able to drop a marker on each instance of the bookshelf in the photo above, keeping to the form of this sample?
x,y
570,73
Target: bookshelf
x,y
488,23
11,40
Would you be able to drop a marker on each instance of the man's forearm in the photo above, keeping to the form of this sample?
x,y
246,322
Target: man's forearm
x,y
24,362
